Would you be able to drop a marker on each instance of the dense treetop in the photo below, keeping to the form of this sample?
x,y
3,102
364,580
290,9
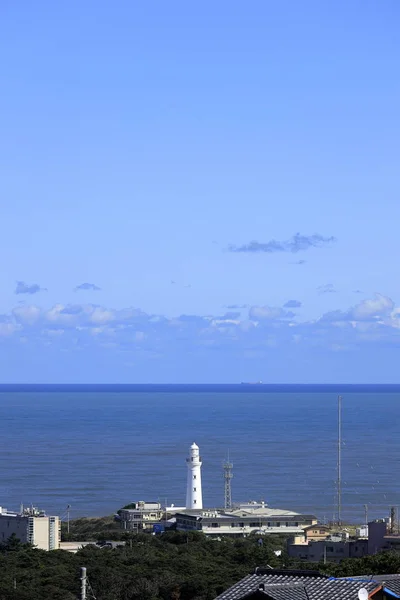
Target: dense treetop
x,y
172,566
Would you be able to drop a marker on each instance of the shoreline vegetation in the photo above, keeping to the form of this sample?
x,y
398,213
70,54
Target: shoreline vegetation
x,y
92,529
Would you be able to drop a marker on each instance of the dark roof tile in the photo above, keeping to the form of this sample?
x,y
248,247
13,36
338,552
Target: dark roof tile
x,y
285,586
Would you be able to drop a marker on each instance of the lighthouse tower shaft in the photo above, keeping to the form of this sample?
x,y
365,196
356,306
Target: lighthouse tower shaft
x,y
194,494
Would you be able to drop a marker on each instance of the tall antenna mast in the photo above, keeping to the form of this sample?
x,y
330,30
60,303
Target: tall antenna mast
x,y
339,463
228,466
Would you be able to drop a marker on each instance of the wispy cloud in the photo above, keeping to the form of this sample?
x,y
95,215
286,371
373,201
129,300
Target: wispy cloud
x,y
297,243
292,304
186,285
26,288
299,262
260,313
328,288
87,287
236,306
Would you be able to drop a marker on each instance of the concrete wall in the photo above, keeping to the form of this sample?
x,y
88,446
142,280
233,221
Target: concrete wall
x,y
316,533
41,533
10,525
376,533
332,551
54,533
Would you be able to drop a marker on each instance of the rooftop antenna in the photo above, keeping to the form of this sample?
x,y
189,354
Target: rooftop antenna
x,y
228,466
339,463
366,514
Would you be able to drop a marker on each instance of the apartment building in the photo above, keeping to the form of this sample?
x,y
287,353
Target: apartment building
x,y
31,526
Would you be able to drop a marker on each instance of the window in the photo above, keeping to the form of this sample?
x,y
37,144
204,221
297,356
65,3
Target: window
x,y
278,524
287,524
194,476
268,524
241,524
254,524
214,524
296,524
194,501
194,489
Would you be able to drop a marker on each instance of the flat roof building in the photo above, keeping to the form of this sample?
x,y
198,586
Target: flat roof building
x,y
243,520
31,526
139,516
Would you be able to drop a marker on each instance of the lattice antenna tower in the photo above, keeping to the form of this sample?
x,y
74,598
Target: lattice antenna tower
x,y
228,475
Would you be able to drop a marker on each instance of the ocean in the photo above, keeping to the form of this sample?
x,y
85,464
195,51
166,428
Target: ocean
x,y
98,447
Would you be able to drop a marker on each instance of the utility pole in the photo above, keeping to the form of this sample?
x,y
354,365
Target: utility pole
x,y
228,466
83,583
339,462
68,510
86,588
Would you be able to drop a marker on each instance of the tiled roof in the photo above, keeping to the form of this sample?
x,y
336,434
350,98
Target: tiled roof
x,y
390,582
294,591
288,587
393,585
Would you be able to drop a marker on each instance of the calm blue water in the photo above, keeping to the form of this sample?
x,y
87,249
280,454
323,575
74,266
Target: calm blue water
x,y
99,447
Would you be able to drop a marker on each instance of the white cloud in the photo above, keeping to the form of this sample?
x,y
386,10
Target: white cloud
x,y
57,315
101,315
268,313
375,320
375,307
379,307
27,315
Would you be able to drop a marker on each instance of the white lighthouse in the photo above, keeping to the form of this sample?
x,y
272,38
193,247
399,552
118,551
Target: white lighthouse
x,y
194,496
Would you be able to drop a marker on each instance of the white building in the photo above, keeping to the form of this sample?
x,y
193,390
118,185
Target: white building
x,y
138,516
243,520
31,526
194,495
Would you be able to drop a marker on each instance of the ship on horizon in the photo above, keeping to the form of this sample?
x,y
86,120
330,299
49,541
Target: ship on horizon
x,y
251,383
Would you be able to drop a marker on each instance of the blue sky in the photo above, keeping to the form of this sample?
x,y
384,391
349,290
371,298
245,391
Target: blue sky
x,y
173,174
